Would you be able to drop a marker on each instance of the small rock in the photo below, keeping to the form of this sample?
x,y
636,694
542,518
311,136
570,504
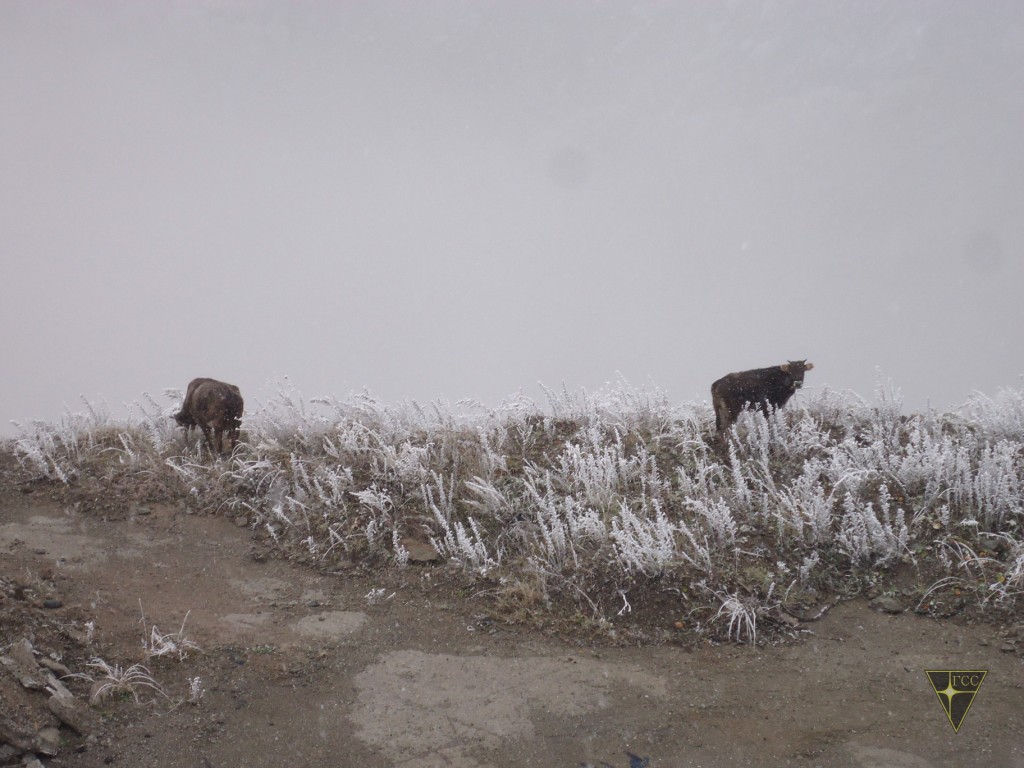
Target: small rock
x,y
242,521
48,741
76,635
55,686
74,713
887,604
419,551
52,603
54,666
1007,648
21,663
22,716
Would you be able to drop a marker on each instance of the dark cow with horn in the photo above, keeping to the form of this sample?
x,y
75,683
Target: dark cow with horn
x,y
759,388
214,407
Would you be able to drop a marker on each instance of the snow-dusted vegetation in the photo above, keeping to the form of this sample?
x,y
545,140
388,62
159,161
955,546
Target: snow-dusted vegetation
x,y
605,503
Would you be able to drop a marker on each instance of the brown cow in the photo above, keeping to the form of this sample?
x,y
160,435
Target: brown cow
x,y
212,406
759,388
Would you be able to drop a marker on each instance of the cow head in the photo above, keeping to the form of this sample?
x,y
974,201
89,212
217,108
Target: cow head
x,y
796,370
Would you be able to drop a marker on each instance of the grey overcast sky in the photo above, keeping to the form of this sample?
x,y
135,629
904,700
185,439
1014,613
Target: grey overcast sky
x,y
456,199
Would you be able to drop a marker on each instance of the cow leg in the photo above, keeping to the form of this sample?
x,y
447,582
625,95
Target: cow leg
x,y
206,434
723,416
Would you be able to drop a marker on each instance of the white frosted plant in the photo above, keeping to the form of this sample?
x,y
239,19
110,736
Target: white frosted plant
x,y
463,545
807,567
380,508
928,465
401,554
564,405
488,499
113,679
1000,417
490,459
803,509
282,421
171,644
716,518
563,527
56,450
377,500
37,446
707,477
196,691
870,537
595,469
626,408
329,484
996,487
154,423
741,485
741,616
402,463
645,539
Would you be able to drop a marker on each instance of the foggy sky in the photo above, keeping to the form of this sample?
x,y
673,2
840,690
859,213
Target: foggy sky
x,y
451,199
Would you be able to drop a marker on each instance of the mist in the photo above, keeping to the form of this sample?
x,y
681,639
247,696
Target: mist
x,y
460,200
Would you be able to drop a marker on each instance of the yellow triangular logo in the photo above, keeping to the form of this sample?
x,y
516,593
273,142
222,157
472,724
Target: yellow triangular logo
x,y
956,690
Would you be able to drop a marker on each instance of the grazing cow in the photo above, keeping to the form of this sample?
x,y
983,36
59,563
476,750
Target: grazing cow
x,y
183,417
758,388
212,406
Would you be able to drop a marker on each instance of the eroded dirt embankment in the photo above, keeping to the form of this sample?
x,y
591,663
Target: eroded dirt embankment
x,y
299,668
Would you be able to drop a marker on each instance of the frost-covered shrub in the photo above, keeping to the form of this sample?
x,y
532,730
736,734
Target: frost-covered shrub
x,y
595,493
